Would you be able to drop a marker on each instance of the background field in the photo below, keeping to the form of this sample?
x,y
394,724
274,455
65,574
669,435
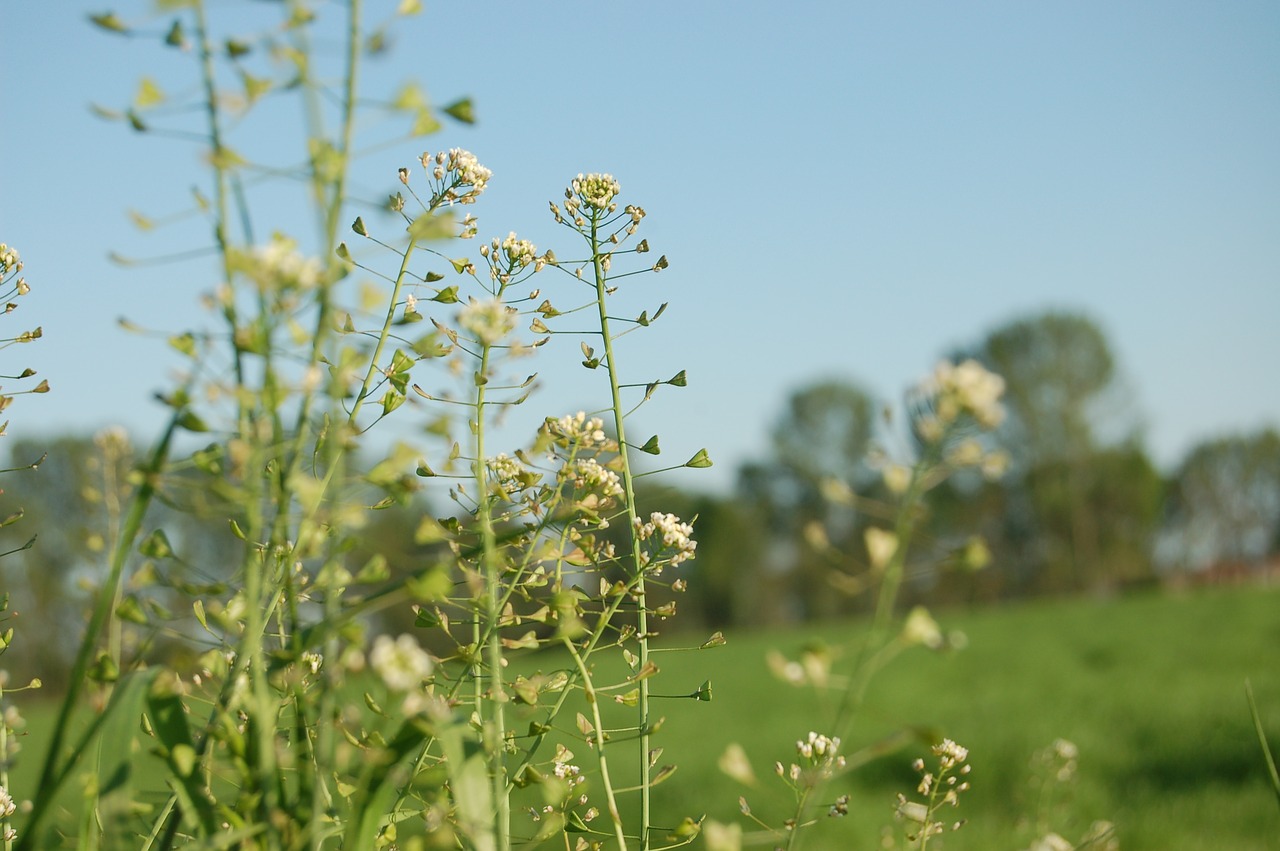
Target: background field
x,y
1150,689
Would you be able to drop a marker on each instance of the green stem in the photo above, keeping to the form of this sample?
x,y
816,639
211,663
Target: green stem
x,y
628,484
597,741
493,613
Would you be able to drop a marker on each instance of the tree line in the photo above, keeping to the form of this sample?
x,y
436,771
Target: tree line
x,y
1078,508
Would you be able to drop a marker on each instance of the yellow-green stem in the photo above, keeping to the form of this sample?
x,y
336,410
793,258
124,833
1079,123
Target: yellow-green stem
x,y
628,484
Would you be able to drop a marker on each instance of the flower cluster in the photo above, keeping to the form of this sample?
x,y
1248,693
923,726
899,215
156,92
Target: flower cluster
x,y
938,789
7,808
511,255
596,191
577,429
10,265
279,264
401,663
10,260
509,474
488,320
967,388
588,475
819,759
666,534
459,174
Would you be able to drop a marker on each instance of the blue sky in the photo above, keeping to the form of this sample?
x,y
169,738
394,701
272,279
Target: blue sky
x,y
844,190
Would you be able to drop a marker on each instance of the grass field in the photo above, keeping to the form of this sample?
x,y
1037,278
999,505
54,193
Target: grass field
x,y
1149,688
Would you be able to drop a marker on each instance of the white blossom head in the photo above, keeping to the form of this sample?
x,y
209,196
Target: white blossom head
x,y
400,662
488,321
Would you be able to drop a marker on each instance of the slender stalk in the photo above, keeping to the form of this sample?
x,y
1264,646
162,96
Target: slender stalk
x,y
628,484
597,741
493,614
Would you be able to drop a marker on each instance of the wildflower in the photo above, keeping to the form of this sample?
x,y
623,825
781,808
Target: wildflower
x,y
509,474
460,174
10,260
401,663
489,320
588,475
968,388
576,428
921,628
882,545
7,806
279,264
519,252
673,534
950,754
595,190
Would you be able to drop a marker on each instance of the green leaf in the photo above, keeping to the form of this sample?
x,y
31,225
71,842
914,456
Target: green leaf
x,y
115,745
169,724
462,110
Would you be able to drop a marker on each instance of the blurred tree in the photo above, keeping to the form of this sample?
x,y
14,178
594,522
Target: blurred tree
x,y
822,436
67,502
1225,503
1065,403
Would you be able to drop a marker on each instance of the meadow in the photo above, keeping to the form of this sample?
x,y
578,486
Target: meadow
x,y
1149,688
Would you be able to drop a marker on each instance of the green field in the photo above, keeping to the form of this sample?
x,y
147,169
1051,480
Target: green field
x,y
1149,688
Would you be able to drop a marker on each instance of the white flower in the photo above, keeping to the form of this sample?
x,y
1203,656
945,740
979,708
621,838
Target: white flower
x,y
401,663
669,535
950,754
882,545
10,260
488,320
520,252
921,628
510,474
576,428
460,173
588,475
967,388
7,806
595,190
280,264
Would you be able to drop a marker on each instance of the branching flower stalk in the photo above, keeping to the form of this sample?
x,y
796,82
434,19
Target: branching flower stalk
x,y
598,211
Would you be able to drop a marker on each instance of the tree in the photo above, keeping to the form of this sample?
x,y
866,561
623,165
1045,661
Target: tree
x,y
1065,406
1225,502
822,435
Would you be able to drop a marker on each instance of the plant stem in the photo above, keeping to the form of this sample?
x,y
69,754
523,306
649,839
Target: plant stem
x,y
628,484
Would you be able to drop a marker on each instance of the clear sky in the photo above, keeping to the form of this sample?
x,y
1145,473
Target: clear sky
x,y
844,189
